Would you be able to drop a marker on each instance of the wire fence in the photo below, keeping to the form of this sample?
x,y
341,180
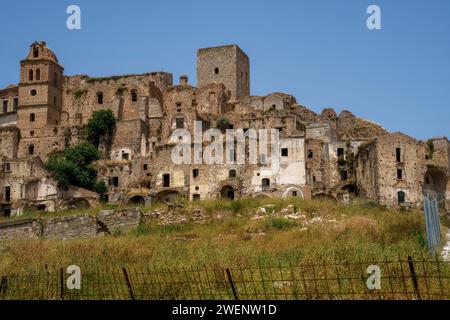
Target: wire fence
x,y
408,279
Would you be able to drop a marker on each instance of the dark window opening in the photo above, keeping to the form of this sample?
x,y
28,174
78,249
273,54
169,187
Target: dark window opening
x,y
401,197
125,156
38,74
197,188
134,96
180,123
399,174
265,184
115,181
310,154
7,212
195,173
196,197
398,154
145,167
7,194
294,193
109,182
344,175
15,104
32,117
216,71
100,98
166,180
33,92
5,106
31,150
284,152
35,52
427,180
7,167
232,174
340,152
31,133
30,75
314,178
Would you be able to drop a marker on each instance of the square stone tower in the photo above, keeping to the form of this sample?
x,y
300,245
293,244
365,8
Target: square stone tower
x,y
225,64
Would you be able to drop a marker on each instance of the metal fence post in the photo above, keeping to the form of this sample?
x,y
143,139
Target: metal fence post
x,y
414,277
61,278
230,279
127,279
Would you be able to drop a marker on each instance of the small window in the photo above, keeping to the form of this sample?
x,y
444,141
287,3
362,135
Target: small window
x,y
232,174
180,123
32,117
195,197
100,98
35,52
30,75
284,152
398,154
7,167
115,182
125,156
266,184
340,152
5,106
427,180
8,194
294,193
216,70
166,180
31,133
195,173
344,175
145,167
31,150
401,197
314,178
310,154
399,174
196,188
38,74
33,92
16,104
134,95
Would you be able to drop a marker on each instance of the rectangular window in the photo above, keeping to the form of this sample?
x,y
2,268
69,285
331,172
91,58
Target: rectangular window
x,y
15,104
180,123
8,194
100,98
344,175
310,154
399,174
398,154
125,156
196,197
284,152
5,106
340,152
166,180
116,182
195,173
7,167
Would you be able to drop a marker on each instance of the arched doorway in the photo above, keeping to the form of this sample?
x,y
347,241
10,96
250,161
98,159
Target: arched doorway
x,y
401,197
265,184
293,193
167,196
79,204
137,200
228,192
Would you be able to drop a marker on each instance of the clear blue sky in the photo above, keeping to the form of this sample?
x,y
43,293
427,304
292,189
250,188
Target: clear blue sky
x,y
320,51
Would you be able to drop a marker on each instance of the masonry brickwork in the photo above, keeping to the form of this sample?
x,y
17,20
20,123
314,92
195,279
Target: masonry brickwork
x,y
321,155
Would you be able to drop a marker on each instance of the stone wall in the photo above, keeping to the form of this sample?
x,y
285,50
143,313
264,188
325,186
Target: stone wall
x,y
71,227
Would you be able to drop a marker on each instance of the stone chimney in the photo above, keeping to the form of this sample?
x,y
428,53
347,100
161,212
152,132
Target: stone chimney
x,y
184,80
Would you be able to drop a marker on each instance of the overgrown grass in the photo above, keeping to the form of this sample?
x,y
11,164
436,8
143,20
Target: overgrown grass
x,y
231,238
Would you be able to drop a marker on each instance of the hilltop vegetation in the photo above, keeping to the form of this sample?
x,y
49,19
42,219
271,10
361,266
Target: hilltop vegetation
x,y
239,233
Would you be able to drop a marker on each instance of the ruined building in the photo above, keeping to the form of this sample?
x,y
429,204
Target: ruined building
x,y
320,155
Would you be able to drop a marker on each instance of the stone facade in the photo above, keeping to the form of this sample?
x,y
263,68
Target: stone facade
x,y
319,154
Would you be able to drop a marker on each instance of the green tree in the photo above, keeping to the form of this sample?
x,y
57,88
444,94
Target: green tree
x,y
74,166
101,123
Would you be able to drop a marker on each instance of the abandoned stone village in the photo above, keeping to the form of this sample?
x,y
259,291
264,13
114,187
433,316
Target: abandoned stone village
x,y
321,155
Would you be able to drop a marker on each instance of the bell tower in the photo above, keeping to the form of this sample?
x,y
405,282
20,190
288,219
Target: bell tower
x,y
40,98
